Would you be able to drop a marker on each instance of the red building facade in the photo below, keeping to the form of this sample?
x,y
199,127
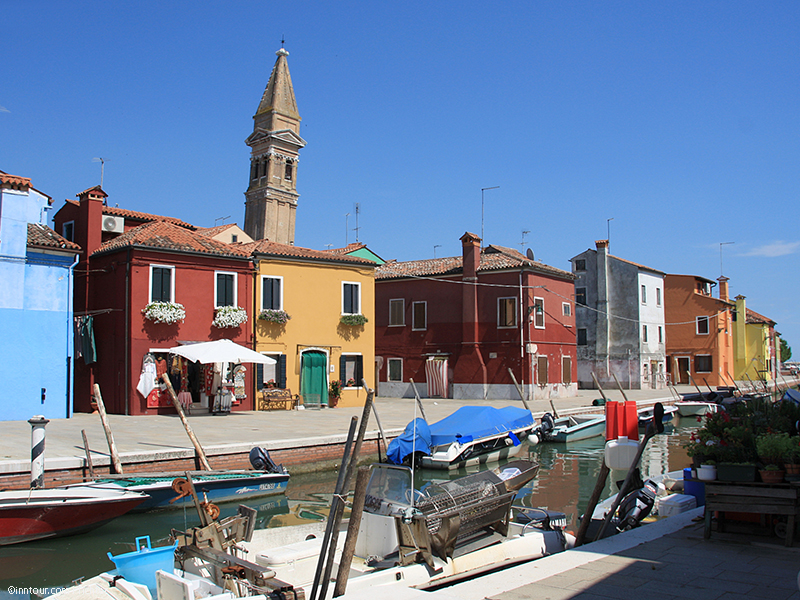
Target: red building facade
x,y
129,260
456,326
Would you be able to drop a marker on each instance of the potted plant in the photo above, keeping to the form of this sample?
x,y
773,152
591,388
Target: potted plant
x,y
227,317
272,315
164,312
771,448
334,392
707,471
354,320
791,460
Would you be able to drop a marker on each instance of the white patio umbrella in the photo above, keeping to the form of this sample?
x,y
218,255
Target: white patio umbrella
x,y
220,351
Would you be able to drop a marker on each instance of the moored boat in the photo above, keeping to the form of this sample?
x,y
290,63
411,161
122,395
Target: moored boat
x,y
573,428
646,415
168,490
34,514
471,435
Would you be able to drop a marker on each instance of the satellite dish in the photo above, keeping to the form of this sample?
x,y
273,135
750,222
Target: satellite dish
x,y
529,254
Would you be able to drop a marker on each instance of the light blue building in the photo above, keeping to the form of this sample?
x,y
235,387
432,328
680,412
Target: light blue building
x,y
36,321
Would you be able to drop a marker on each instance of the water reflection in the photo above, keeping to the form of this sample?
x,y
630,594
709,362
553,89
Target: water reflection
x,y
564,483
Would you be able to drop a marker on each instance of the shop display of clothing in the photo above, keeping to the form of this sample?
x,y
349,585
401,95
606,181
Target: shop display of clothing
x,y
147,380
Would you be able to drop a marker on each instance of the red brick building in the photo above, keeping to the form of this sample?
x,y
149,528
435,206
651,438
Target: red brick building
x,y
457,325
131,259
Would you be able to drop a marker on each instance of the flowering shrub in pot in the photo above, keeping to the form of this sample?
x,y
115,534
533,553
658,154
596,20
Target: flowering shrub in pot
x,y
353,320
226,317
164,312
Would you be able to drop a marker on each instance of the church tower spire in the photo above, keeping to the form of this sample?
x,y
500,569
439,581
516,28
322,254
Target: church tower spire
x,y
271,197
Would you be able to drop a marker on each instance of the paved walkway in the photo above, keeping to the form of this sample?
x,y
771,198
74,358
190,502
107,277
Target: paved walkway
x,y
666,560
142,435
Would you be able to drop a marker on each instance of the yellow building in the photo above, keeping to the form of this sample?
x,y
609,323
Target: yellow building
x,y
754,343
314,314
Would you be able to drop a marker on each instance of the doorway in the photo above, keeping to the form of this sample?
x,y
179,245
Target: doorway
x,y
683,370
314,378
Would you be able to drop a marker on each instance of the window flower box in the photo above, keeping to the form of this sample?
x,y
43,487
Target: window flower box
x,y
227,317
274,316
354,320
164,312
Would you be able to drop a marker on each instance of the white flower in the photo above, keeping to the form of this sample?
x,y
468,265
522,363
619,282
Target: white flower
x,y
229,316
164,312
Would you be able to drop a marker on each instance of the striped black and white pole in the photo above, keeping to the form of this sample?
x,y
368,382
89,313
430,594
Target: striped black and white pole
x,y
38,424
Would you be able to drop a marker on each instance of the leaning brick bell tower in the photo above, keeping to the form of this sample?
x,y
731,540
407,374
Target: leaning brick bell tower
x,y
271,197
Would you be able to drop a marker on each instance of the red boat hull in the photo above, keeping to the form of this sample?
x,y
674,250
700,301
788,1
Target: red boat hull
x,y
45,519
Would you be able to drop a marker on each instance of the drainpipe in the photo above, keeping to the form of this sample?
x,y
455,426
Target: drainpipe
x,y
70,332
127,331
523,317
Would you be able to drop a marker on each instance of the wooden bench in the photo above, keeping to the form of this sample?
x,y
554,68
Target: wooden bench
x,y
276,399
759,498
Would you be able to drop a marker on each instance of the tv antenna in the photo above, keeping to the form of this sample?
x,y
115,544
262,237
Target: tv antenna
x,y
346,227
328,246
356,228
102,162
721,244
435,246
221,219
524,233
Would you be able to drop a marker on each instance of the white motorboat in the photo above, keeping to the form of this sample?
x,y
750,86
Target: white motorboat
x,y
452,531
692,408
573,428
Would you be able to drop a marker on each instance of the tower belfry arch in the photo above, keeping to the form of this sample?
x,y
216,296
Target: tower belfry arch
x,y
271,196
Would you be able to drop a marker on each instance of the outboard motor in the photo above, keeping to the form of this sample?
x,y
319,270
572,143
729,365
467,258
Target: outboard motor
x,y
261,461
542,432
636,506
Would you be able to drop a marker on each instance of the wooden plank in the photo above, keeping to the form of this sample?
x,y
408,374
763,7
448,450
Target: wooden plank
x,y
768,509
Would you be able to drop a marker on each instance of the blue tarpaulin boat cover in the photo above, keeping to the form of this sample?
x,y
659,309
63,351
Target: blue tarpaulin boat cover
x,y
466,424
404,444
792,395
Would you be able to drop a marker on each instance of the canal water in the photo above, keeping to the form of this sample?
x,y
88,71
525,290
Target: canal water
x,y
565,481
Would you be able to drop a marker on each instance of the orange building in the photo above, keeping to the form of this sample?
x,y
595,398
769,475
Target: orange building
x,y
699,331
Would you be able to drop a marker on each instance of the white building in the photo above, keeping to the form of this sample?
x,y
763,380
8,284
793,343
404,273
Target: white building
x,y
619,317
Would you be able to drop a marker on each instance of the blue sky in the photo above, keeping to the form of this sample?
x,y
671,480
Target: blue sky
x,y
678,120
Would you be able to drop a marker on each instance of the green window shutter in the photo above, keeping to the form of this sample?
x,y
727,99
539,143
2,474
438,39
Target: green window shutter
x,y
259,376
281,368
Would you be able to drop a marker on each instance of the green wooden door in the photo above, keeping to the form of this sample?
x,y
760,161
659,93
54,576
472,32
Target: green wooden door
x,y
314,378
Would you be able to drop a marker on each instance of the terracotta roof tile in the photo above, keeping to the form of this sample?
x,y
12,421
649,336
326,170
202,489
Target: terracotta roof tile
x,y
165,235
136,215
268,248
212,231
41,236
14,182
493,258
349,248
755,318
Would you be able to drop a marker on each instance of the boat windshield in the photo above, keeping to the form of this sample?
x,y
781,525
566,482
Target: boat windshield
x,y
389,488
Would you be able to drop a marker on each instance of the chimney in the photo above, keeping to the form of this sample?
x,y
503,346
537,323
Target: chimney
x,y
602,245
723,288
471,260
91,210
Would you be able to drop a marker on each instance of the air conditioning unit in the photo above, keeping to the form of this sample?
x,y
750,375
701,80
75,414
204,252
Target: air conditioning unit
x,y
113,224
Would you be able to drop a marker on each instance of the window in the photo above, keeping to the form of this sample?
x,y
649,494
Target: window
x,y
702,326
644,294
288,171
566,309
68,231
580,264
419,316
397,309
580,296
566,369
351,370
644,333
582,336
660,335
538,313
351,298
394,369
162,285
703,363
541,370
271,293
225,289
234,238
658,296
268,376
506,312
